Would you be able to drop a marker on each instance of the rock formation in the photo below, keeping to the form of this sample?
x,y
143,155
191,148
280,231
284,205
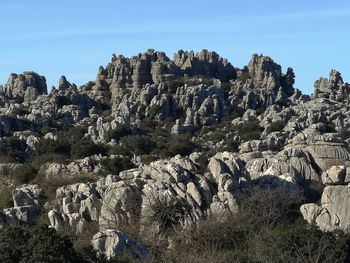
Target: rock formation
x,y
198,132
27,86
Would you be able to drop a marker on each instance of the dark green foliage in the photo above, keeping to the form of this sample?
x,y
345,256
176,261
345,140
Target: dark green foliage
x,y
12,243
14,149
39,245
86,148
24,173
45,245
139,144
180,145
148,126
45,129
58,147
249,131
70,144
74,134
6,200
118,133
116,165
120,150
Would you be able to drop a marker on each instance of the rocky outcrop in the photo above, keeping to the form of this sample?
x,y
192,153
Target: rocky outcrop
x,y
256,127
333,88
26,206
112,243
204,63
74,206
26,86
332,213
64,84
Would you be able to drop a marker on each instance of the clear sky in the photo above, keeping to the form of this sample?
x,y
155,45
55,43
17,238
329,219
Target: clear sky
x,y
74,37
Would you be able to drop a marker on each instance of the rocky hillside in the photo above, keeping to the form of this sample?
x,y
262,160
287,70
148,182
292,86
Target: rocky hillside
x,y
155,147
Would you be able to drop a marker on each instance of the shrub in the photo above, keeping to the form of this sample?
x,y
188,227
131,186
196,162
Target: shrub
x,y
116,165
167,214
47,146
6,198
46,245
74,134
12,243
120,150
118,133
249,131
85,148
23,174
267,207
139,144
13,150
266,229
298,242
212,240
180,146
168,147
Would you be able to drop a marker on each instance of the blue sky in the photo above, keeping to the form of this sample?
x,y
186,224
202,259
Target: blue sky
x,y
74,37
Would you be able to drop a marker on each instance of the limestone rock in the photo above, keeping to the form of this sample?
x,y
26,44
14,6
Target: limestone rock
x,y
334,175
26,86
333,212
113,243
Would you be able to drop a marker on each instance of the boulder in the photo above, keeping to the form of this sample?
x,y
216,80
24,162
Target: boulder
x,y
113,243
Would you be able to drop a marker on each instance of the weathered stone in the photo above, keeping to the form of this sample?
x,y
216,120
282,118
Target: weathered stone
x,y
112,243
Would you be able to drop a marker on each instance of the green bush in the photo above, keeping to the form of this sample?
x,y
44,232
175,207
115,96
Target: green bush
x,y
12,243
169,147
39,245
116,165
24,173
70,143
13,150
118,133
298,242
120,150
249,131
139,144
180,146
47,146
74,134
46,245
85,148
6,200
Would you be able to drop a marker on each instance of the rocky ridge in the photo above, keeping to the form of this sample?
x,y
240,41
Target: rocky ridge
x,y
251,126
